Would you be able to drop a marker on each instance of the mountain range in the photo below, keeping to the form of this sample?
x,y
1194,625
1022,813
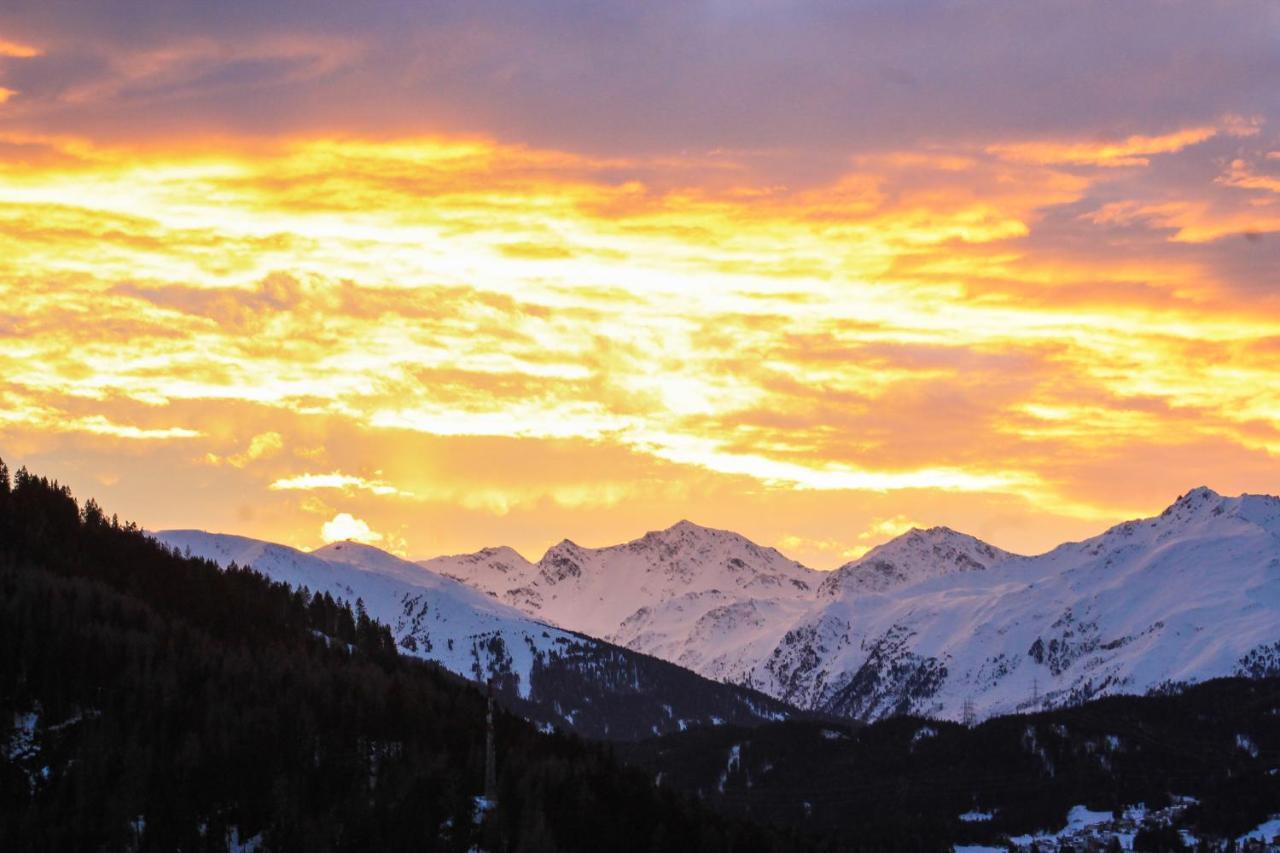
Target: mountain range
x,y
933,623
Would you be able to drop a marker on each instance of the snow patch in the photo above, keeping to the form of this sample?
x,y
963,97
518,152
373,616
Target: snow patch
x,y
237,845
1265,832
481,806
1078,818
923,733
22,742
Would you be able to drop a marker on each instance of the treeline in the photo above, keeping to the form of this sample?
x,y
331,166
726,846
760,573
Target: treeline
x,y
150,701
904,783
41,524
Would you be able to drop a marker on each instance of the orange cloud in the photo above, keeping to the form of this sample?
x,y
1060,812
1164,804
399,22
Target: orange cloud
x,y
336,480
1135,150
17,49
198,67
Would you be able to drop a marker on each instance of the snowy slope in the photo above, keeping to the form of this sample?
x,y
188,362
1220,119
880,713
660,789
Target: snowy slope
x,y
433,617
1189,595
562,678
709,600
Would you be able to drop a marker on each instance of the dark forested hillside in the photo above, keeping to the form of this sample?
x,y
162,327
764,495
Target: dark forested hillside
x,y
149,701
905,782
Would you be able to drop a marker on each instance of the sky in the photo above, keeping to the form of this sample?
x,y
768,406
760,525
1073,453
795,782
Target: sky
x,y
445,275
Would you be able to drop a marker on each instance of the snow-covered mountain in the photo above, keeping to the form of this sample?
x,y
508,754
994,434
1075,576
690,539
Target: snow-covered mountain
x,y
932,619
926,623
709,600
556,675
1189,595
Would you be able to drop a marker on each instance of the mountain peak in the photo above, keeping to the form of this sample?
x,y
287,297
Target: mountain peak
x,y
927,537
687,540
370,558
916,555
939,532
504,551
562,547
1200,507
1199,493
1192,502
350,545
684,529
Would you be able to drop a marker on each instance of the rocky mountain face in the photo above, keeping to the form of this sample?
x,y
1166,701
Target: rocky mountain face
x,y
708,600
553,676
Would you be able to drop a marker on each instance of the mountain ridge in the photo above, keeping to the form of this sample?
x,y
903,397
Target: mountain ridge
x,y
656,567
898,628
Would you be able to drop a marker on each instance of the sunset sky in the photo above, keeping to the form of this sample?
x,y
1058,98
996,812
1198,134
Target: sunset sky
x,y
446,275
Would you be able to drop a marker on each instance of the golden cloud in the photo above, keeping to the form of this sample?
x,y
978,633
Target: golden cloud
x,y
336,480
896,330
17,49
1135,150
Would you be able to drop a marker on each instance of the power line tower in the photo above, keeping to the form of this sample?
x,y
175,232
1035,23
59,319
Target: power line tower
x,y
968,717
1035,694
490,754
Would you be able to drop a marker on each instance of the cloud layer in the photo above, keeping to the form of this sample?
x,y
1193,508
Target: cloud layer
x,y
478,274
